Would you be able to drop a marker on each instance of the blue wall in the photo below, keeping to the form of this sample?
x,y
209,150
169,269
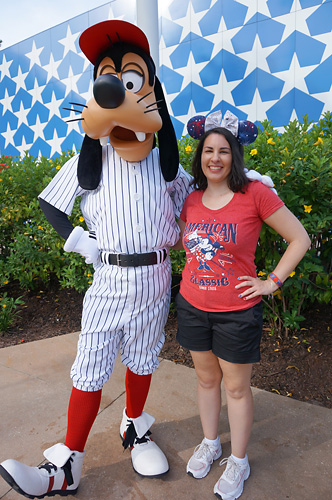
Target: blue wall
x,y
270,60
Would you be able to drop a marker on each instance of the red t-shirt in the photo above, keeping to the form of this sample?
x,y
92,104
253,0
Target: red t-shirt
x,y
220,245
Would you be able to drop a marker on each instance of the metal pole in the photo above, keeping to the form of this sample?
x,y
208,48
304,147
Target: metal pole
x,y
148,21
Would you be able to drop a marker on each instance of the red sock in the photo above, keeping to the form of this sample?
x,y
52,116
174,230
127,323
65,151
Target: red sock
x,y
137,390
82,412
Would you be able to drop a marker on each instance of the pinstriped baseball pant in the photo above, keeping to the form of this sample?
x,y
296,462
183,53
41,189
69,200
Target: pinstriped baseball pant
x,y
124,309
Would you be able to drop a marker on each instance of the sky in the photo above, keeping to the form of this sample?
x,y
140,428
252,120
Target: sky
x,y
20,19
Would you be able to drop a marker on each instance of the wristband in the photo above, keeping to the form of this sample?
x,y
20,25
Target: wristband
x,y
275,278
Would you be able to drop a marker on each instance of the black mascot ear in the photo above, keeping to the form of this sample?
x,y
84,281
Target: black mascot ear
x,y
89,164
168,146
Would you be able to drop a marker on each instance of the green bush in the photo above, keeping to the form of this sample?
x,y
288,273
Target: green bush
x,y
298,160
31,252
8,311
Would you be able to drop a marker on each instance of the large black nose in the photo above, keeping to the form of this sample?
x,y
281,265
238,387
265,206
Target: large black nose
x,y
108,91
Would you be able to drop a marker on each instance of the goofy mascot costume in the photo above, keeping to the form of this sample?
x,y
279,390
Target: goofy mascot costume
x,y
130,193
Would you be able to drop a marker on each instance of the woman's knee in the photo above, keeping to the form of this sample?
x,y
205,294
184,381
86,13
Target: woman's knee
x,y
209,379
208,371
237,390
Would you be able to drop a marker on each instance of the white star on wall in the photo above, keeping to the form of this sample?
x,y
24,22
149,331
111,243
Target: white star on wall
x,y
69,41
54,107
190,22
55,144
34,55
38,129
20,79
22,115
71,81
36,93
7,102
4,67
222,90
24,147
9,135
52,68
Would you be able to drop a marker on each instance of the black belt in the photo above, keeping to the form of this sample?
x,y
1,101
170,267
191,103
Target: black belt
x,y
134,259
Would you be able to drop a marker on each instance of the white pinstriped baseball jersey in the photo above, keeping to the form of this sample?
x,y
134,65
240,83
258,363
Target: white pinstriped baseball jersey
x,y
132,210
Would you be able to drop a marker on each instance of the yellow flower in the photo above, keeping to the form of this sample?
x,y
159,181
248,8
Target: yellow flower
x,y
307,208
40,227
188,148
288,173
261,273
319,141
282,163
6,282
292,274
253,152
58,167
270,141
277,293
81,219
4,305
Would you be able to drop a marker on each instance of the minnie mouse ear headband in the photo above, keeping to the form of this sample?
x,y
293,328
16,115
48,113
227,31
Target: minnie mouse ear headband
x,y
245,131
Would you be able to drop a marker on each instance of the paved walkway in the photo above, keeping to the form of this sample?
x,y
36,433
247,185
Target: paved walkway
x,y
290,449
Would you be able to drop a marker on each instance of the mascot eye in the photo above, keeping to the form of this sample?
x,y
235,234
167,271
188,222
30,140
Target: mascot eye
x,y
132,81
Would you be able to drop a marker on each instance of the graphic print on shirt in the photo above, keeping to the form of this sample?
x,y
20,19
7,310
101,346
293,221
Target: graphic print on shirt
x,y
209,262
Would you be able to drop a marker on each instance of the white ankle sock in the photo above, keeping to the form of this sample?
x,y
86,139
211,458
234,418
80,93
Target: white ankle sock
x,y
240,461
212,442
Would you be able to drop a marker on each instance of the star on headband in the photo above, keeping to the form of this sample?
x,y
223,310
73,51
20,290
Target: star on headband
x,y
245,131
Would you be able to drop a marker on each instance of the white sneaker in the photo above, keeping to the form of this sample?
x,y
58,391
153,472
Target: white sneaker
x,y
230,484
200,463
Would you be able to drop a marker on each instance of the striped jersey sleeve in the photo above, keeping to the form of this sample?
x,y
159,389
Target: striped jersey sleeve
x,y
179,189
64,187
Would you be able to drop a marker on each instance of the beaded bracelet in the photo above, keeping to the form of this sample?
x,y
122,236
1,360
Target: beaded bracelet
x,y
275,278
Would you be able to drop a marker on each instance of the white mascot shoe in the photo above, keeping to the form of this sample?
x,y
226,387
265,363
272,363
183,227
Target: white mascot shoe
x,y
60,476
147,458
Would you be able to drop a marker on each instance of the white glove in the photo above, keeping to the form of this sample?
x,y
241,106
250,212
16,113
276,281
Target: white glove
x,y
253,175
81,242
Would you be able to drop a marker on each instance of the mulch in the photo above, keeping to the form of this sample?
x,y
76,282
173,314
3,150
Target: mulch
x,y
298,367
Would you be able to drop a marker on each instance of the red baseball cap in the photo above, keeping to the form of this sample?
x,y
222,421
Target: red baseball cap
x,y
99,37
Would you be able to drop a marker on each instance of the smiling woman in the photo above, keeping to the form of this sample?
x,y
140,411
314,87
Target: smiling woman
x,y
219,304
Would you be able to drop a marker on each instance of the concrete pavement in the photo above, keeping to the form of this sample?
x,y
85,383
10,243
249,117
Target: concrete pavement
x,y
290,450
